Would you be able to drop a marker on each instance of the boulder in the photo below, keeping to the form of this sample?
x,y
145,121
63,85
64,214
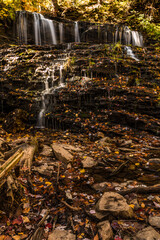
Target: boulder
x,y
154,221
147,234
62,154
105,230
115,204
89,162
46,151
60,234
71,148
154,163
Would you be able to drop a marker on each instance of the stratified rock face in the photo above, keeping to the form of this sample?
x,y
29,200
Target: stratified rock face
x,y
59,234
62,154
105,230
113,203
148,234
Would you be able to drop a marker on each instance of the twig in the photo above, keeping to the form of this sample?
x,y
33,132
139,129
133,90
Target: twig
x,y
69,206
119,169
58,173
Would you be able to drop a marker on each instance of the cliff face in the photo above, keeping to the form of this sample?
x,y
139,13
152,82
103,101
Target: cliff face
x,y
61,80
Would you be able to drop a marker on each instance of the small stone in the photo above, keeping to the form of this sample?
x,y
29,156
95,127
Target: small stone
x,y
105,230
60,234
46,151
148,234
115,204
62,154
154,163
89,162
154,221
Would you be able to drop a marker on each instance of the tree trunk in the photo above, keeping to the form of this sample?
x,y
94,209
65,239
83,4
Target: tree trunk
x,y
55,7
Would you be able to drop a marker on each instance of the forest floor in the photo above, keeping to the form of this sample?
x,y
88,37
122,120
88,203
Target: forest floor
x,y
56,183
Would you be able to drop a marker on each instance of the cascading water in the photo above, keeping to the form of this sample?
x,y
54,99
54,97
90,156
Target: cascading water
x,y
133,37
22,28
47,31
130,53
37,29
43,28
61,32
77,36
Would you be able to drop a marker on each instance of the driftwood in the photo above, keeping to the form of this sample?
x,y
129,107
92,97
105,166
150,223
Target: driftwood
x,y
10,164
142,190
29,151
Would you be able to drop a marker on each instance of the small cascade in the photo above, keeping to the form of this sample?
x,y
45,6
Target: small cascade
x,y
61,32
44,30
22,28
77,35
137,39
61,74
132,37
130,53
37,29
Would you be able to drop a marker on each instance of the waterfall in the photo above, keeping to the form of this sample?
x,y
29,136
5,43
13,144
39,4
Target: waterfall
x,y
43,27
130,53
34,27
61,32
77,36
137,39
61,74
37,29
22,28
132,37
41,117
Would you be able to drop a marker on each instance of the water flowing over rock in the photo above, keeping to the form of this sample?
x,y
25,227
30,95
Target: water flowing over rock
x,y
35,28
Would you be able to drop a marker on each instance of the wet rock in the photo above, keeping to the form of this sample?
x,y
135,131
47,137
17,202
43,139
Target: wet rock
x,y
113,203
59,234
154,163
62,154
147,234
154,221
89,162
105,230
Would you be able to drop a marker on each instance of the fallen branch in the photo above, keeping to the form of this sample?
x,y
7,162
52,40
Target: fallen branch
x,y
69,206
142,190
10,164
119,169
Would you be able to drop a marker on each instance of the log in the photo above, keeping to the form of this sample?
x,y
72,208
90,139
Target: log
x,y
141,190
10,164
29,151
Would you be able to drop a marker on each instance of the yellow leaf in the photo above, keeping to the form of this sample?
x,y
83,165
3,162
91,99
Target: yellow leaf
x,y
16,237
143,205
132,206
48,183
82,170
137,164
117,152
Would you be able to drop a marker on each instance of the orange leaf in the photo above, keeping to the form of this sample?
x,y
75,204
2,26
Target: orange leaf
x,y
96,237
